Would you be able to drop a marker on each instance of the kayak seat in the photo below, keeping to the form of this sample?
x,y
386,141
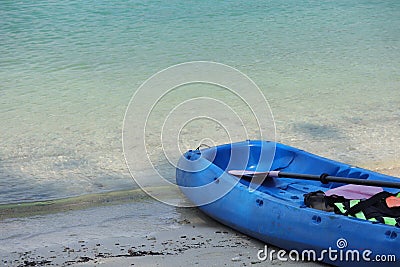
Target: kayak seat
x,y
287,191
303,188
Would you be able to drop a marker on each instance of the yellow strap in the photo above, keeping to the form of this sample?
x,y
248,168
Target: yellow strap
x,y
341,208
360,215
389,220
354,202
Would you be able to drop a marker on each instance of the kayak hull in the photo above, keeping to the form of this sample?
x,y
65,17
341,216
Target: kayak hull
x,y
273,210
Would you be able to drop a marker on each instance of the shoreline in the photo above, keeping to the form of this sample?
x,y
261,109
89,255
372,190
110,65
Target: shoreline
x,y
187,238
80,202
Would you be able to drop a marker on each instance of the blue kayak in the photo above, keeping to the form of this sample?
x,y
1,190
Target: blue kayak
x,y
273,210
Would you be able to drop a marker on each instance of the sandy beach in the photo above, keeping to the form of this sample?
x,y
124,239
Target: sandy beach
x,y
190,238
198,241
87,101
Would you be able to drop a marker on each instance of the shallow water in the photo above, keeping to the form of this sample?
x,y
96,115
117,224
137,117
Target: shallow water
x,y
124,220
330,71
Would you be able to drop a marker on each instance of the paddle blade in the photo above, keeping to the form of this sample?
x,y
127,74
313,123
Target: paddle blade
x,y
241,173
253,174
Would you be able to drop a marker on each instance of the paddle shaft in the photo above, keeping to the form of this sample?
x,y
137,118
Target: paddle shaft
x,y
324,178
340,180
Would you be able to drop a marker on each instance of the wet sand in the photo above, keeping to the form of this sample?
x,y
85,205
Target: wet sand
x,y
199,241
192,239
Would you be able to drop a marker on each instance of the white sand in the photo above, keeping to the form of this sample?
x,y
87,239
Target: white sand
x,y
198,241
118,239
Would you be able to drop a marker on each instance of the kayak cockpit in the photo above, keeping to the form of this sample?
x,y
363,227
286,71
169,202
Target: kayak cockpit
x,y
270,156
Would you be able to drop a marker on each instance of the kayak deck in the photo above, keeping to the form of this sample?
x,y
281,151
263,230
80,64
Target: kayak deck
x,y
289,159
275,212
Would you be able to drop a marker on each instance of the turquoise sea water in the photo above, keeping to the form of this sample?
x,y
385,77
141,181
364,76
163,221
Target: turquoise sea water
x,y
329,69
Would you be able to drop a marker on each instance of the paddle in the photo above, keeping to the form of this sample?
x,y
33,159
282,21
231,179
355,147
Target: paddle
x,y
324,178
